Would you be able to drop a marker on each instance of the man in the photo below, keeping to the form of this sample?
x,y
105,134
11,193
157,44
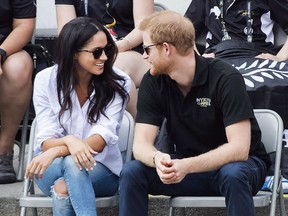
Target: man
x,y
241,32
16,30
210,120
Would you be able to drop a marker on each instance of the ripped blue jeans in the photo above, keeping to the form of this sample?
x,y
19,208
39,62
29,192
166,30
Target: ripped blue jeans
x,y
83,186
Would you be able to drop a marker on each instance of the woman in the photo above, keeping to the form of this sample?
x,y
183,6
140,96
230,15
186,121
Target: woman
x,y
121,17
79,104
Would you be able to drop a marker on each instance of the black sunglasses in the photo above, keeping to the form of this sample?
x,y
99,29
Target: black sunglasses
x,y
99,50
146,49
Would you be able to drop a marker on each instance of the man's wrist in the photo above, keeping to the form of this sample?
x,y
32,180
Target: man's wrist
x,y
154,156
3,55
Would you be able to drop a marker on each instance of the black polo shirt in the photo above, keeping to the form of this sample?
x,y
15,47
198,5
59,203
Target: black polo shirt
x,y
196,123
205,15
10,9
121,10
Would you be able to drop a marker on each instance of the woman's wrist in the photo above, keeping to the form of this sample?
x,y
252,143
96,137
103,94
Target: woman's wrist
x,y
59,152
125,44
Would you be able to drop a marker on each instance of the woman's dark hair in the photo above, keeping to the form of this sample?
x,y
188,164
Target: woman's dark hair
x,y
73,37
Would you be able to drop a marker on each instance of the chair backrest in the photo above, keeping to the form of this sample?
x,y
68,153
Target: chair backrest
x,y
271,126
279,35
126,135
159,7
34,201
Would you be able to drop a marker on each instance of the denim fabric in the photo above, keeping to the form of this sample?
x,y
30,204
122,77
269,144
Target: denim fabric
x,y
83,186
237,181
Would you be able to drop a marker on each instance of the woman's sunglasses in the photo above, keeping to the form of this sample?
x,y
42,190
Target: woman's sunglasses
x,y
99,50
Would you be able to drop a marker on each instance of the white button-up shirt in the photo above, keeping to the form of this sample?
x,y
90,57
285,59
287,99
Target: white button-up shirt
x,y
47,108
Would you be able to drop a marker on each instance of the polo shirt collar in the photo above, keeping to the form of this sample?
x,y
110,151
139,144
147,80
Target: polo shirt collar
x,y
201,72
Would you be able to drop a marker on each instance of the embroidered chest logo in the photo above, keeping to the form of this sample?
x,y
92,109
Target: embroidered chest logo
x,y
203,102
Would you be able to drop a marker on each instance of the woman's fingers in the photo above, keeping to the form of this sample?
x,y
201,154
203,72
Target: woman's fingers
x,y
32,170
85,162
76,161
28,173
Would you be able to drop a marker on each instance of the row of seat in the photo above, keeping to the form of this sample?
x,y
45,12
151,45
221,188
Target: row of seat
x,y
25,126
272,129
270,124
30,199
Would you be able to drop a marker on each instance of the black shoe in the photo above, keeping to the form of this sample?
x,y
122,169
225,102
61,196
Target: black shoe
x,y
7,173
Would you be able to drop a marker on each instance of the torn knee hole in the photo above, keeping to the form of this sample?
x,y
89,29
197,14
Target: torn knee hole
x,y
60,188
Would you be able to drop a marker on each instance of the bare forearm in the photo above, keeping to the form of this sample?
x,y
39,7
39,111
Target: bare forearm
x,y
54,142
19,37
216,158
64,13
96,142
143,146
144,153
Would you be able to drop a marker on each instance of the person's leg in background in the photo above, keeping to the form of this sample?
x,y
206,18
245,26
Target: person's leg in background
x,y
132,63
15,95
132,103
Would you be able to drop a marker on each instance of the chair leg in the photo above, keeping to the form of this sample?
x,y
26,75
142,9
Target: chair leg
x,y
23,211
172,211
281,201
20,174
34,212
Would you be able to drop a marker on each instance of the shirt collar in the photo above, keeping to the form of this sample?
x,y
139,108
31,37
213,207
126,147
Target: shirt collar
x,y
201,72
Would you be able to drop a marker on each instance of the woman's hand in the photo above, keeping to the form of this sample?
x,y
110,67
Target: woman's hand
x,y
40,163
268,56
81,152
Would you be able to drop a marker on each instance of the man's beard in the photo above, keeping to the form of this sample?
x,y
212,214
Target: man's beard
x,y
160,67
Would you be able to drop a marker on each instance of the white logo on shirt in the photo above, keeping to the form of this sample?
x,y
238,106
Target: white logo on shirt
x,y
203,102
216,11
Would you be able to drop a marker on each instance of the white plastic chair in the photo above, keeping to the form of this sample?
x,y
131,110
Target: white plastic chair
x,y
22,144
34,201
159,7
271,126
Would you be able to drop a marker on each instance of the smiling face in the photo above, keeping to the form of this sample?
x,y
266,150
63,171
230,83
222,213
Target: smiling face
x,y
85,61
156,56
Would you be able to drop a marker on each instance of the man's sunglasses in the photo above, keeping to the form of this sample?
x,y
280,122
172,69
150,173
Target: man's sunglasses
x,y
146,49
99,50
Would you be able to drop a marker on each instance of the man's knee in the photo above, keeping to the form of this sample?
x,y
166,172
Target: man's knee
x,y
233,173
19,67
